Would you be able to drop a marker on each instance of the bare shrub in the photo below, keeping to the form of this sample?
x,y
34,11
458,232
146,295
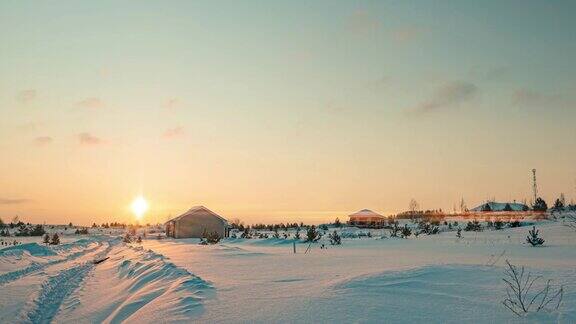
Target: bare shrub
x,y
522,298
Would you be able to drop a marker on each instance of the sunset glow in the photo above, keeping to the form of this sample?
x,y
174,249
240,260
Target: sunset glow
x,y
139,207
369,105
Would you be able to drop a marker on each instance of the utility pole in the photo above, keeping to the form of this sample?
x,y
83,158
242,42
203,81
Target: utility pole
x,y
534,186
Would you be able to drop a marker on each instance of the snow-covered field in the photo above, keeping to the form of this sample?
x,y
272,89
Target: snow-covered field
x,y
433,279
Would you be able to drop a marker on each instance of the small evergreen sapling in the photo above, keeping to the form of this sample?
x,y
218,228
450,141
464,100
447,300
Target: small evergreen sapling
x,y
335,239
515,223
312,234
297,235
558,206
498,224
394,230
55,239
337,223
540,205
406,231
46,239
533,237
473,226
38,230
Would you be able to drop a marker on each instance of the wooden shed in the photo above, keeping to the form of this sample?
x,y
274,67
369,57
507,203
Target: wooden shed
x,y
195,222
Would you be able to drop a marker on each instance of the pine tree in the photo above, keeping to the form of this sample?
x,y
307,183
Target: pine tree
x,y
337,223
335,239
297,235
312,234
394,230
46,239
558,205
498,224
540,205
406,231
533,238
245,233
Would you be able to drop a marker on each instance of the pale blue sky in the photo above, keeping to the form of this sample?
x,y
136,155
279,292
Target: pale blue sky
x,y
282,108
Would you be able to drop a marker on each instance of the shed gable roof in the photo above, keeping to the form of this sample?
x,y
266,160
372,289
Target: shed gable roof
x,y
365,213
195,211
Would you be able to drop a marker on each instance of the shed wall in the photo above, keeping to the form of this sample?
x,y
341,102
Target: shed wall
x,y
193,226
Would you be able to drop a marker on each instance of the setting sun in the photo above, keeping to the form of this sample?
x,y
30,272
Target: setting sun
x,y
139,207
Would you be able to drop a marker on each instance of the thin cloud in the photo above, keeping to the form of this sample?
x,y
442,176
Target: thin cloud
x,y
91,103
449,95
88,139
43,140
8,201
173,133
26,96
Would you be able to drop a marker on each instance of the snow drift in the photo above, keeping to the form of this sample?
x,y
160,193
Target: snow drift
x,y
33,248
137,285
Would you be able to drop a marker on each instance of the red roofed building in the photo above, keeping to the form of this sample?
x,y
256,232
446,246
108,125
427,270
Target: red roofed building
x,y
366,218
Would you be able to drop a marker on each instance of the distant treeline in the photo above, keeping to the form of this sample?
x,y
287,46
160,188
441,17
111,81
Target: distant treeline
x,y
434,213
236,224
121,225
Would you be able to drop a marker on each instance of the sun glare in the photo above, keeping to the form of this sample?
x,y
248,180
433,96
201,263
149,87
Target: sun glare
x,y
139,207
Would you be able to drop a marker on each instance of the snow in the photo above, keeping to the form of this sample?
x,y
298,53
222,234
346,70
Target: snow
x,y
432,279
32,248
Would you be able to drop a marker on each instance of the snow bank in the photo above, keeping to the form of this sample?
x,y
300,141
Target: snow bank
x,y
270,241
138,285
444,293
33,248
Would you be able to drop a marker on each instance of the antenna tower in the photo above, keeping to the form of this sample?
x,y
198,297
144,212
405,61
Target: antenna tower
x,y
534,186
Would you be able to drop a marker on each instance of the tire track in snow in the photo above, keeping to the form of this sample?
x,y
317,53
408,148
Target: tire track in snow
x,y
55,290
58,287
15,275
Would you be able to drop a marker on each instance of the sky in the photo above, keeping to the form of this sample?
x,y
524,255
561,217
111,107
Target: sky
x,y
277,111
